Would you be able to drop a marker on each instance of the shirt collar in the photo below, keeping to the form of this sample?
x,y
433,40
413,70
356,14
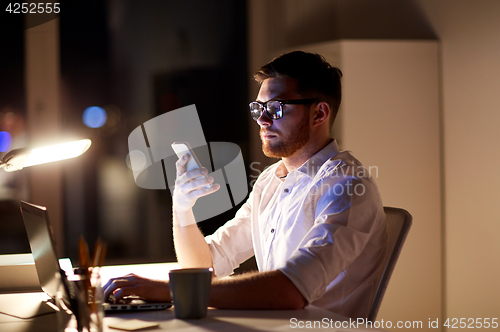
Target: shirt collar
x,y
312,166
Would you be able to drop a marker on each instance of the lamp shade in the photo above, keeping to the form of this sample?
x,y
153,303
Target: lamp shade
x,y
18,159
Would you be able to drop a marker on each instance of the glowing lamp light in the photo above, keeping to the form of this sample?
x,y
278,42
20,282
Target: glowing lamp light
x,y
18,159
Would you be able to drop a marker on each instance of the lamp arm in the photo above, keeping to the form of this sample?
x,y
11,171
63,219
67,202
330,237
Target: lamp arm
x,y
25,157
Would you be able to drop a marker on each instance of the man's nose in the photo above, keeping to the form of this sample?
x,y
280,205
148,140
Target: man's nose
x,y
264,120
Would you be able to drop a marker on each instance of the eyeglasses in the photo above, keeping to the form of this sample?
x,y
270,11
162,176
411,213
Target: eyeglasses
x,y
274,108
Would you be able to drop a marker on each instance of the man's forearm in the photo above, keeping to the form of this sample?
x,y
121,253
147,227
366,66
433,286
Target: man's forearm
x,y
190,246
266,290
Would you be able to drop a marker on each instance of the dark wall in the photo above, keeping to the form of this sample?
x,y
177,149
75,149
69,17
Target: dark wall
x,y
130,57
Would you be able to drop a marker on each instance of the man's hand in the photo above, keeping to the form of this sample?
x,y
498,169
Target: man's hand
x,y
131,284
187,189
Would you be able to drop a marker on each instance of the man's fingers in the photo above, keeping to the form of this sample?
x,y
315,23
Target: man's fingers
x,y
114,283
196,184
188,177
126,291
152,290
193,174
203,191
110,288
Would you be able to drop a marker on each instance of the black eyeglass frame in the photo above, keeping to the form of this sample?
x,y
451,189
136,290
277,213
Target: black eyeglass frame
x,y
279,114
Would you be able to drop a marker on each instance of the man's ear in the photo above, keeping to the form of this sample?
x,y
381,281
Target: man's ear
x,y
321,113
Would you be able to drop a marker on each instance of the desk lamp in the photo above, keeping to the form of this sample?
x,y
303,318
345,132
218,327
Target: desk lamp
x,y
17,159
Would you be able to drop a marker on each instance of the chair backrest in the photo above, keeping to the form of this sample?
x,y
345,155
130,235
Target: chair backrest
x,y
398,226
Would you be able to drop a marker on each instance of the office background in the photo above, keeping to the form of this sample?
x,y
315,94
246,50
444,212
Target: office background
x,y
138,59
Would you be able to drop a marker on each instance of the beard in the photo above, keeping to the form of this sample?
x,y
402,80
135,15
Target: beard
x,y
289,144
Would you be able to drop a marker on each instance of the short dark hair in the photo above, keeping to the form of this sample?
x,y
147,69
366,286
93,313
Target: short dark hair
x,y
316,77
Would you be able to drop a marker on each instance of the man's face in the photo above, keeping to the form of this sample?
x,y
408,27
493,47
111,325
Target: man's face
x,y
283,137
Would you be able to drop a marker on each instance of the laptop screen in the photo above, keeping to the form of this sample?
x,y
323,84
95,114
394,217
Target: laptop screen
x,y
42,246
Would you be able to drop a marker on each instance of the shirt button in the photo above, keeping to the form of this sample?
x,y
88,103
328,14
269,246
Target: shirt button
x,y
286,190
272,230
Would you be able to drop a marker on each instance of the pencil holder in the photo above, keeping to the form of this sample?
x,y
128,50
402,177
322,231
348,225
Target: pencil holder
x,y
90,313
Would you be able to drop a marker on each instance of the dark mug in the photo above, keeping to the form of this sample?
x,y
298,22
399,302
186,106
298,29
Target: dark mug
x,y
190,291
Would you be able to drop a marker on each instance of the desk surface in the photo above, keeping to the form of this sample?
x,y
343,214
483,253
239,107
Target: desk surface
x,y
237,320
217,320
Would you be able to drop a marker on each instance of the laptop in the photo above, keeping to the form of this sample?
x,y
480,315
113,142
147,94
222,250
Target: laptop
x,y
34,303
50,274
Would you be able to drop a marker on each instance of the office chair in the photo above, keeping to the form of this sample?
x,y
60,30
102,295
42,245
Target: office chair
x,y
398,226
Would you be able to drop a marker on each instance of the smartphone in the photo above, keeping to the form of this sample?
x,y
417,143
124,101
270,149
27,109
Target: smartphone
x,y
183,148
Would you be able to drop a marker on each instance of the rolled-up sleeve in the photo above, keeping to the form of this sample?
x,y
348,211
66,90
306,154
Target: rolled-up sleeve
x,y
231,244
340,233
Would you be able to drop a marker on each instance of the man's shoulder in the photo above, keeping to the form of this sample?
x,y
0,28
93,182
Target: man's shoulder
x,y
342,163
265,175
344,167
270,170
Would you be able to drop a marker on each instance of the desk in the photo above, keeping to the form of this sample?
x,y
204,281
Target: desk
x,y
216,320
237,320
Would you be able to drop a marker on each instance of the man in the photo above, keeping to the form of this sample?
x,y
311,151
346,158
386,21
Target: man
x,y
314,220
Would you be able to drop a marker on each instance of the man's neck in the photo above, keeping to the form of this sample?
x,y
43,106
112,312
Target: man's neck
x,y
305,153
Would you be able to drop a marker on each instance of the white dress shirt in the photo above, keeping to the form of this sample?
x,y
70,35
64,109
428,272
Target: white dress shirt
x,y
323,226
